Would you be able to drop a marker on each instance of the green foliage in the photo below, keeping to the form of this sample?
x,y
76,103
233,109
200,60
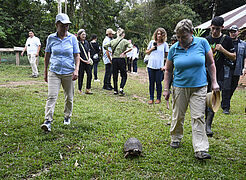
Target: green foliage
x,y
199,32
204,7
170,15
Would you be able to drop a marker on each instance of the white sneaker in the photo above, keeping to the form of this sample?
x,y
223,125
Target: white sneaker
x,y
46,126
67,120
96,80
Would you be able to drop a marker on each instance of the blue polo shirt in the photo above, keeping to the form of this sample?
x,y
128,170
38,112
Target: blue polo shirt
x,y
189,65
62,53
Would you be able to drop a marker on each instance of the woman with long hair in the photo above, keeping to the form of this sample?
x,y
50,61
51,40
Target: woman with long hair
x,y
158,50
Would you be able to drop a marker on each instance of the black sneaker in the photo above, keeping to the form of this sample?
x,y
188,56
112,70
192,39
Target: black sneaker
x,y
46,126
202,155
175,145
225,111
121,93
116,92
67,120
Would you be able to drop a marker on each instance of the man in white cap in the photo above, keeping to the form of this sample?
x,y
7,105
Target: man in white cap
x,y
239,66
107,59
32,47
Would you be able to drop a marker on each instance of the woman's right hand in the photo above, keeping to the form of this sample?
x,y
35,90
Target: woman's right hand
x,y
166,94
46,76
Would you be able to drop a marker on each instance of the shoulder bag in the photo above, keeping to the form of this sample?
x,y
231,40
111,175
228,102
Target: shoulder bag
x,y
95,56
90,60
116,46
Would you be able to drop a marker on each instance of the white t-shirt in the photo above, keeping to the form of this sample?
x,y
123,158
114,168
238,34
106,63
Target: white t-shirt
x,y
32,45
129,54
135,53
156,58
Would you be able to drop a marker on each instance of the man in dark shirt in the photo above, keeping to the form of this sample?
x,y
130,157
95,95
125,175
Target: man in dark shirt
x,y
224,57
240,49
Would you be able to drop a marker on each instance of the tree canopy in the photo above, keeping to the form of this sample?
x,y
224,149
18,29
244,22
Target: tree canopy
x,y
138,17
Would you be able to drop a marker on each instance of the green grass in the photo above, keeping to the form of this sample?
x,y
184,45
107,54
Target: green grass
x,y
100,125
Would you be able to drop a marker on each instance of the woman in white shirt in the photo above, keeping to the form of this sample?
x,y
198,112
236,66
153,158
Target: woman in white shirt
x,y
135,55
158,50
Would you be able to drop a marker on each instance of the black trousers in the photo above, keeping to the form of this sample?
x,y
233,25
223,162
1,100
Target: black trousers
x,y
129,64
107,76
227,93
119,65
83,67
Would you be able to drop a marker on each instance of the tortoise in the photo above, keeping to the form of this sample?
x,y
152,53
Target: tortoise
x,y
132,147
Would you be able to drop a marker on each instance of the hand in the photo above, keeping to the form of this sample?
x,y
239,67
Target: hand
x,y
22,53
75,75
219,47
166,94
45,76
87,62
37,54
244,71
215,86
122,55
163,68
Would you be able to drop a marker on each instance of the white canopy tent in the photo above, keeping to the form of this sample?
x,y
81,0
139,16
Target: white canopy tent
x,y
234,17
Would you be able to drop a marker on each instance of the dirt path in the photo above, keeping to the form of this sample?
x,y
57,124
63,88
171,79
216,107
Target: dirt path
x,y
18,83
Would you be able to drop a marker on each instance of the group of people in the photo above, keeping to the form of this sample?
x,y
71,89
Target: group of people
x,y
190,65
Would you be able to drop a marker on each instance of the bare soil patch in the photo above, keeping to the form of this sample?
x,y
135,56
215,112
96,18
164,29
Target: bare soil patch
x,y
20,83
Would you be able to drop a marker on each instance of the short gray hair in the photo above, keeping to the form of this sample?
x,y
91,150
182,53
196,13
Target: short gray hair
x,y
184,25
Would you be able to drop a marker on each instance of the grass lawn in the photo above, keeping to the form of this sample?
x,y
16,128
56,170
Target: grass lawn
x,y
92,146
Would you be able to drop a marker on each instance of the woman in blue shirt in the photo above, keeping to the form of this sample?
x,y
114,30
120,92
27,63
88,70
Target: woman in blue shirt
x,y
62,54
188,57
158,50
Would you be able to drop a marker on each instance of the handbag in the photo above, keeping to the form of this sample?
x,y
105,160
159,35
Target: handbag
x,y
95,56
146,58
90,60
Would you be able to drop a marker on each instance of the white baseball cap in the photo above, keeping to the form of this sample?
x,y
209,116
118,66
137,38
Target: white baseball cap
x,y
63,18
110,31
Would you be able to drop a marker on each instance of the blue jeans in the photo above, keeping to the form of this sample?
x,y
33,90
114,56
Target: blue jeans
x,y
155,77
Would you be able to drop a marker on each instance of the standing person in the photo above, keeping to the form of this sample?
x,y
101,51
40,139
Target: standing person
x,y
188,57
120,47
107,59
129,60
62,53
224,55
32,47
158,50
94,46
85,64
135,56
240,49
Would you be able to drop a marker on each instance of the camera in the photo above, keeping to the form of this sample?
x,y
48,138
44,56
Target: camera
x,y
155,44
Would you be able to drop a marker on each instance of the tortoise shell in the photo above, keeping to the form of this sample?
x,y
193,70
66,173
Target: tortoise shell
x,y
133,147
